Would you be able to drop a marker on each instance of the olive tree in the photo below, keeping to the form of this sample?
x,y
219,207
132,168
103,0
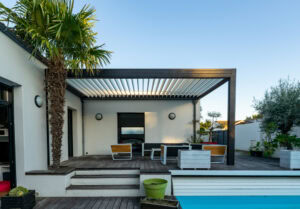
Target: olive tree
x,y
280,106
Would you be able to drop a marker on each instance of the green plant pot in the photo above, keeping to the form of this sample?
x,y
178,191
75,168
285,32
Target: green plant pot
x,y
155,188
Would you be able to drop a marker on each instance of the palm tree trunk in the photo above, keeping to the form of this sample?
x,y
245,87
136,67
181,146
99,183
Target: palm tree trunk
x,y
56,87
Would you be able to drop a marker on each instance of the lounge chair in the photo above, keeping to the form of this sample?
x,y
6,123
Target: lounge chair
x,y
217,152
121,151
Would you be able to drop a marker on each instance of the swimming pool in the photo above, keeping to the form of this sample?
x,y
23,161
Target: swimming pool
x,y
240,202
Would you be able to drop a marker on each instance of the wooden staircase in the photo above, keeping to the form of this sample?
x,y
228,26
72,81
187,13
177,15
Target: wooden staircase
x,y
105,183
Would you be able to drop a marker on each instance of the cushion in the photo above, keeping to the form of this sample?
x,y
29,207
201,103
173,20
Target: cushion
x,y
4,186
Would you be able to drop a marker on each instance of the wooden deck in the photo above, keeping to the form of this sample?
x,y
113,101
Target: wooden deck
x,y
87,203
243,162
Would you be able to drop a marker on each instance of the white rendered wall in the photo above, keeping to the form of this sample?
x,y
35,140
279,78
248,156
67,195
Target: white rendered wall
x,y
244,133
72,102
18,66
30,121
99,135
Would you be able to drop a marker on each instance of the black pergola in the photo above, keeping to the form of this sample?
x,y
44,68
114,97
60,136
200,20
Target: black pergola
x,y
158,84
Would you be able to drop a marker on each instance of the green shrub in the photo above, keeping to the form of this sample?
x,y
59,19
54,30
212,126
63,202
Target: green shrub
x,y
287,141
18,192
269,148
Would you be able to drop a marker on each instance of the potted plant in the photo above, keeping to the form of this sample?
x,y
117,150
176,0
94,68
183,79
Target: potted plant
x,y
256,150
155,188
289,156
19,197
155,192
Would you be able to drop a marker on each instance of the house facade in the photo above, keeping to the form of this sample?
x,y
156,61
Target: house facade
x,y
115,106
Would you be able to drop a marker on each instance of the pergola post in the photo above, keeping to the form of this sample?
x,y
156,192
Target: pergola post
x,y
194,119
231,118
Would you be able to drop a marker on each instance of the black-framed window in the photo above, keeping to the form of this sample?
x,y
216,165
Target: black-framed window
x,y
131,129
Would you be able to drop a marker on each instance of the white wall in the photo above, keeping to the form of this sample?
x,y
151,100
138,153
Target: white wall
x,y
30,121
18,66
99,135
72,102
244,133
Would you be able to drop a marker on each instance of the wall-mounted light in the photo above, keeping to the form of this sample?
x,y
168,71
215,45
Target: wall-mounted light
x,y
38,101
172,116
99,116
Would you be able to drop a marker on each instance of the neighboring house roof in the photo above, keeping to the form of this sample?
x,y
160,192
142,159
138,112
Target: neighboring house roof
x,y
12,35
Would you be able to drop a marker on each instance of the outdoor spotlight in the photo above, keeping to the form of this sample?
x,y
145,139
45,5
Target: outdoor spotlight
x,y
98,116
38,101
172,116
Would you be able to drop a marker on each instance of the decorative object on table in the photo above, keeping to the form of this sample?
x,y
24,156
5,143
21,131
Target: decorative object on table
x,y
159,204
289,157
172,116
38,101
19,197
99,116
194,159
155,188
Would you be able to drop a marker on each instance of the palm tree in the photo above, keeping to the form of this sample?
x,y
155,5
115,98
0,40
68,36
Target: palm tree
x,y
66,40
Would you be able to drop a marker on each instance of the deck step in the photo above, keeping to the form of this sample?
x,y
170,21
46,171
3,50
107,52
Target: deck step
x,y
102,187
103,190
113,179
106,171
107,176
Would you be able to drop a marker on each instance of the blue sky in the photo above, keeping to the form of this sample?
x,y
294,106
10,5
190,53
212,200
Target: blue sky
x,y
261,38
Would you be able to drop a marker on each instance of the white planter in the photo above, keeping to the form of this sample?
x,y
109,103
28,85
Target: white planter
x,y
193,159
290,159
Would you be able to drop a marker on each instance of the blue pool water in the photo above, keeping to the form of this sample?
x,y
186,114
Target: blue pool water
x,y
240,202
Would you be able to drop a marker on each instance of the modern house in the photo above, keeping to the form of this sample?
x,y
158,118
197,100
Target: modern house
x,y
114,106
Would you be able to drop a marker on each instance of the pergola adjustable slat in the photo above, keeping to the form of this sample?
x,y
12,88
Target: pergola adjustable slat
x,y
127,82
78,87
153,82
103,82
114,87
123,86
157,86
101,87
176,87
107,82
187,83
188,87
198,89
82,82
206,86
122,92
165,87
133,89
99,91
168,86
161,88
191,91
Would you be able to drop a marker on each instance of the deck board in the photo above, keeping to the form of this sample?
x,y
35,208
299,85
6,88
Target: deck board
x,y
243,162
87,203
